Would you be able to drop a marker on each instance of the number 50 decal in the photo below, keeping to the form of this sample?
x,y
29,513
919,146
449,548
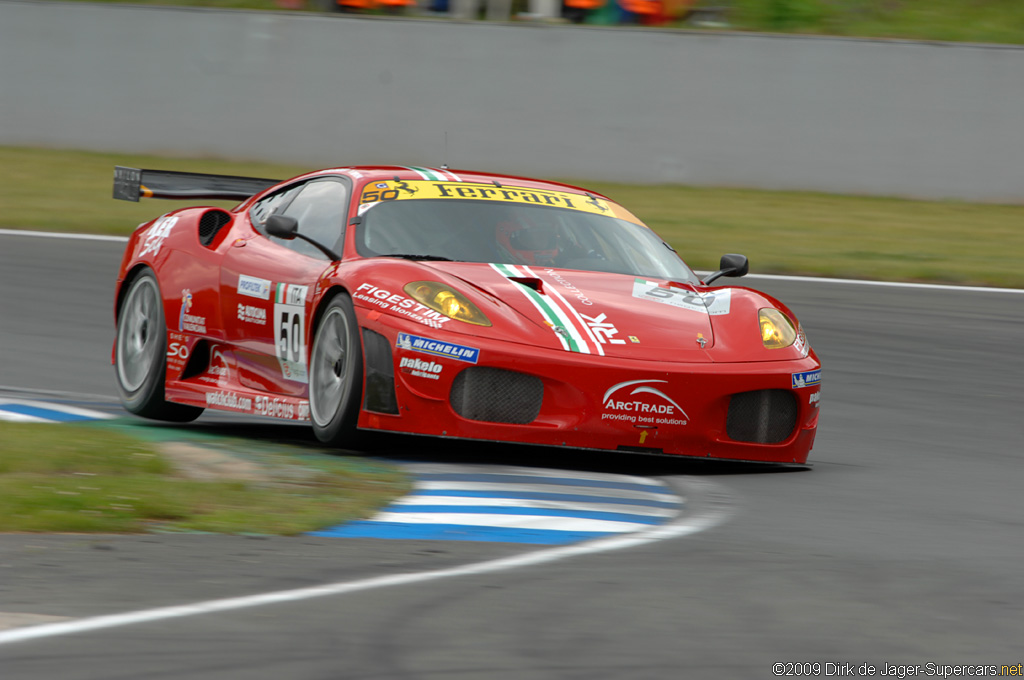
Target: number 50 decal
x,y
290,323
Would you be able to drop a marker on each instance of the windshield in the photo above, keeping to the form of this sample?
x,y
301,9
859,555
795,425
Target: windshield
x,y
517,234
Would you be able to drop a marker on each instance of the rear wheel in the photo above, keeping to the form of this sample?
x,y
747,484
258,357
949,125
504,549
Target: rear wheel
x,y
140,354
336,374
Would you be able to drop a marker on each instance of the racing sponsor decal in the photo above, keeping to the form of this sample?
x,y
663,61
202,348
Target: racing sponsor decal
x,y
229,400
800,344
253,287
806,379
218,364
448,350
603,330
573,290
443,188
190,322
252,314
177,352
157,233
399,304
815,399
273,407
714,303
420,368
290,319
637,402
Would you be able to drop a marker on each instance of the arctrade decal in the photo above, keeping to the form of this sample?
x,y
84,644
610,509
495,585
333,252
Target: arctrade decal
x,y
637,402
399,304
157,233
253,287
806,379
714,303
468,191
448,350
190,322
420,368
290,319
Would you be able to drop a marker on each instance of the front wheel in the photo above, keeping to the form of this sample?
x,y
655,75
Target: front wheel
x,y
140,354
336,374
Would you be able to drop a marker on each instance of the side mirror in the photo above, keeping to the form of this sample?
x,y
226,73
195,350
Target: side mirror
x,y
732,264
282,226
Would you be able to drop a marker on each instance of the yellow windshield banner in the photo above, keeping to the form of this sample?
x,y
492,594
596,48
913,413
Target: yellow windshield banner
x,y
429,190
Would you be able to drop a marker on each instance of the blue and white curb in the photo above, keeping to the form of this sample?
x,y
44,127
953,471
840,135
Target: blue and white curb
x,y
517,505
28,411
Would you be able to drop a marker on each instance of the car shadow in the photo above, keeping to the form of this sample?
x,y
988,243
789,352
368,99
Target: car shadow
x,y
420,449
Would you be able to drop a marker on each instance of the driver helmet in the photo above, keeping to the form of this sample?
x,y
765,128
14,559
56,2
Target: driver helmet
x,y
528,243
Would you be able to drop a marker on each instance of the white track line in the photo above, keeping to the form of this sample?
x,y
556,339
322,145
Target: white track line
x,y
715,509
776,277
56,234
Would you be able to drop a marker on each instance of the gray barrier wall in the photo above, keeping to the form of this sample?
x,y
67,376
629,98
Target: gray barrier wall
x,y
632,105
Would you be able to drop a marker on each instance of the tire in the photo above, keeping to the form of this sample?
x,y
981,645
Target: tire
x,y
140,353
336,375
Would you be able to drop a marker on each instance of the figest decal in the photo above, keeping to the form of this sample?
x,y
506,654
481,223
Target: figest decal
x,y
642,405
436,347
394,302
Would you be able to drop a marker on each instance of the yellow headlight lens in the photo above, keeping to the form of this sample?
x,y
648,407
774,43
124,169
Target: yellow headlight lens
x,y
443,299
776,330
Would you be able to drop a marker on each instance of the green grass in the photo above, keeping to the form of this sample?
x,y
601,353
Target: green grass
x,y
104,479
781,232
985,21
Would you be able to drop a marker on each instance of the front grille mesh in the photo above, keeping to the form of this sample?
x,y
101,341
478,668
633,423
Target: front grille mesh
x,y
762,416
495,395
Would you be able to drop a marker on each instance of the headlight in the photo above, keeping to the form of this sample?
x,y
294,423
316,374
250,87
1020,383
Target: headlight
x,y
776,330
443,299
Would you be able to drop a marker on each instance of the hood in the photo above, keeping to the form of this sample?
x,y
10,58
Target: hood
x,y
601,313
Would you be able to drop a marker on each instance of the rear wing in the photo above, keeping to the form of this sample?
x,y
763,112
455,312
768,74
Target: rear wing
x,y
131,184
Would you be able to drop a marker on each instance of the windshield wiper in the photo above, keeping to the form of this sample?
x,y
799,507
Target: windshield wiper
x,y
407,256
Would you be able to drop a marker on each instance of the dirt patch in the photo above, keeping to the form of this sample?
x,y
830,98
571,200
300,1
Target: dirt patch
x,y
197,462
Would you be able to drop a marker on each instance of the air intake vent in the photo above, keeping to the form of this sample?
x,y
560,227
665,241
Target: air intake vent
x,y
495,395
380,374
210,223
761,417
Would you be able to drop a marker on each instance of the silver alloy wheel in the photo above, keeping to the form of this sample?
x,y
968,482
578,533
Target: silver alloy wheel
x,y
138,339
331,374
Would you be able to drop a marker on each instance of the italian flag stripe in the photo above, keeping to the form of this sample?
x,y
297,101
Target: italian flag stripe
x,y
424,173
282,290
552,315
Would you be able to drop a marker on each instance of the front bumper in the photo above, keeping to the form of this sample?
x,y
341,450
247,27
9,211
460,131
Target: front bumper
x,y
591,402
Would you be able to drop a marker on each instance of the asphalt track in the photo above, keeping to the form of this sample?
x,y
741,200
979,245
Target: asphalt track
x,y
903,546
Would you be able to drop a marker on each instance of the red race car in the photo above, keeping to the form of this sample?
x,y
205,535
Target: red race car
x,y
451,304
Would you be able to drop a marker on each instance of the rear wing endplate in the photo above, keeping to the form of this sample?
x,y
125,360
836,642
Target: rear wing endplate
x,y
131,184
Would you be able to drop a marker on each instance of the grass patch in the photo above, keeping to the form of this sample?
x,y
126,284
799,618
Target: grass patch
x,y
782,232
103,479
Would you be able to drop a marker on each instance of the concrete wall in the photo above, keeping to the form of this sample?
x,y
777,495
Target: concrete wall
x,y
634,105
